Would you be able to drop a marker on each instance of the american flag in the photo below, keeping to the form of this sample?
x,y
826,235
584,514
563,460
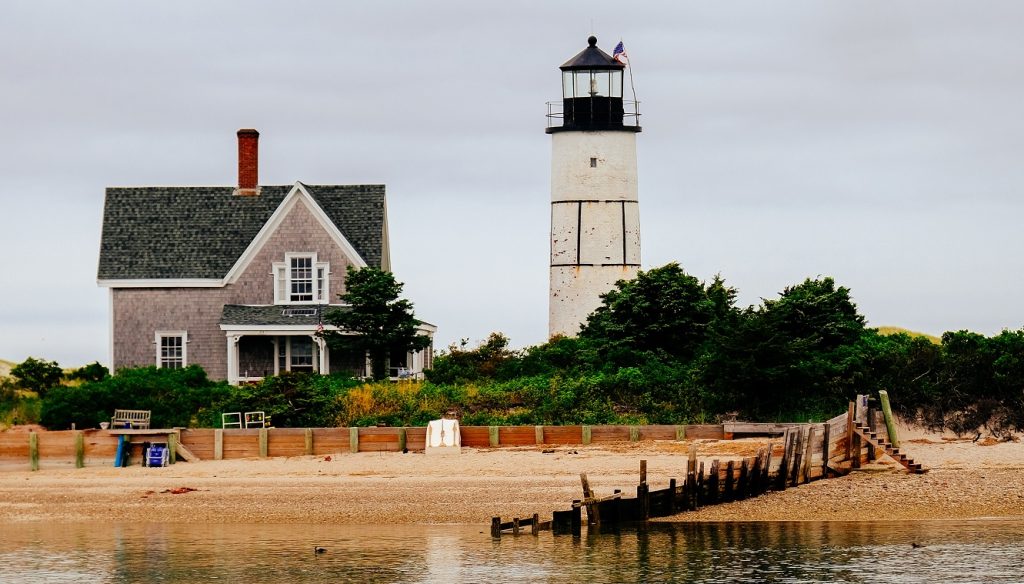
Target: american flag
x,y
620,52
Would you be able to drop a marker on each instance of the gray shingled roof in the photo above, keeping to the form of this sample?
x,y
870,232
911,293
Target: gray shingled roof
x,y
200,232
238,314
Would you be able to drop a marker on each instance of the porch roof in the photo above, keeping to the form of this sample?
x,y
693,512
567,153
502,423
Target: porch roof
x,y
275,315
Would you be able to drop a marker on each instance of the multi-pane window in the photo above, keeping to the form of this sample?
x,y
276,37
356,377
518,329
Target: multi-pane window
x,y
295,353
171,350
300,279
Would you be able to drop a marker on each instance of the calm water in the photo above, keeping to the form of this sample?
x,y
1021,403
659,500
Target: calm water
x,y
975,551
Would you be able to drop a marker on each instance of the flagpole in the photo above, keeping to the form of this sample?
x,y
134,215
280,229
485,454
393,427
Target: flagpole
x,y
629,65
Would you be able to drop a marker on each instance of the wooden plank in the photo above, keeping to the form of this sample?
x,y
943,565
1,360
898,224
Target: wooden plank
x,y
474,436
517,435
587,434
307,441
657,432
538,434
563,434
643,472
730,485
593,513
680,433
824,449
286,442
634,433
704,432
186,454
416,439
264,442
353,440
493,436
611,433
765,429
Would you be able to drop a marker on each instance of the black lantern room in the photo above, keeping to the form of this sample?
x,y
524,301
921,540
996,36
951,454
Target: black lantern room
x,y
592,93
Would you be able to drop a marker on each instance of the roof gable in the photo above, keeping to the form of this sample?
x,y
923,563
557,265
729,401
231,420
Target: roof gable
x,y
194,233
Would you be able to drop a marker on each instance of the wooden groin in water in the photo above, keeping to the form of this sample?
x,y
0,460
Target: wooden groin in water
x,y
796,454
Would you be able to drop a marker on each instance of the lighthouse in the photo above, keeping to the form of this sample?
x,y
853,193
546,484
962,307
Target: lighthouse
x,y
595,215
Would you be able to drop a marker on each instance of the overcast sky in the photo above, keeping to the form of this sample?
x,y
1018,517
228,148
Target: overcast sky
x,y
877,142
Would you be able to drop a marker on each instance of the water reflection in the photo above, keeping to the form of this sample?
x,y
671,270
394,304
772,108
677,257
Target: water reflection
x,y
975,551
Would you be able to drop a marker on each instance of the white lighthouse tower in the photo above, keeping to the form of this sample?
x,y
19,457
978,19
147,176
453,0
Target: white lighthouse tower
x,y
595,216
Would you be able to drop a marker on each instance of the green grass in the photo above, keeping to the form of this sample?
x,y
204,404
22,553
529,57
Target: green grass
x,y
895,330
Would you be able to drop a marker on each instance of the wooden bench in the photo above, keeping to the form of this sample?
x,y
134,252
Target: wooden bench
x,y
130,419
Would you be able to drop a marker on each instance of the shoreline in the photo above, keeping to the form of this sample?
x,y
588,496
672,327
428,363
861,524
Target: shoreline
x,y
967,481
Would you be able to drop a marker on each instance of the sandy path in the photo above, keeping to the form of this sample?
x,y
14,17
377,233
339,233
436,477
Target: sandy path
x,y
967,480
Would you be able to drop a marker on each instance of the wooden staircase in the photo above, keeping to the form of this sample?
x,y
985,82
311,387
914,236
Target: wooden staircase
x,y
872,438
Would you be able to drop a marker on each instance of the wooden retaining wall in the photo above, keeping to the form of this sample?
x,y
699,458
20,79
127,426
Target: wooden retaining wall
x,y
99,446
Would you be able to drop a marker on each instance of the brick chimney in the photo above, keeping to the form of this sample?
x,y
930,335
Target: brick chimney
x,y
248,162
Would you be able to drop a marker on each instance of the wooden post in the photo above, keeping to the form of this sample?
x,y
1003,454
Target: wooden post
x,y
671,496
534,530
577,520
264,447
824,449
806,471
796,458
515,526
755,476
79,449
218,444
634,434
33,451
586,435
680,433
698,493
855,461
743,483
644,501
172,448
496,527
593,513
713,482
538,434
492,436
402,438
616,509
307,441
353,440
849,431
890,422
643,472
729,483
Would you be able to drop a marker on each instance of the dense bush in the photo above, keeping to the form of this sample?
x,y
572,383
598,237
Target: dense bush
x,y
176,397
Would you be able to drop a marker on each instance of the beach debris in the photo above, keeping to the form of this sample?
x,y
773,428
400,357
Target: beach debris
x,y
179,490
319,550
327,458
548,451
914,544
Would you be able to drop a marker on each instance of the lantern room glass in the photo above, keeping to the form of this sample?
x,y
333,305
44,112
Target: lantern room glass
x,y
592,83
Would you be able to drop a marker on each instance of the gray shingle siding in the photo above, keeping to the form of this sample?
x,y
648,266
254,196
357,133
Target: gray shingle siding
x,y
200,232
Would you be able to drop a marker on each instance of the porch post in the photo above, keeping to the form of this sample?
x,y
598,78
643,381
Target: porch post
x,y
233,359
321,355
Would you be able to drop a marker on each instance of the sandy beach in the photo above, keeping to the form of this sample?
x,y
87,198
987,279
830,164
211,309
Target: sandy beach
x,y
967,480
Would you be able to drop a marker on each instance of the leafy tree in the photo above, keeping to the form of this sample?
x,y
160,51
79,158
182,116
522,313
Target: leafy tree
x,y
663,310
459,365
797,352
39,375
91,372
380,320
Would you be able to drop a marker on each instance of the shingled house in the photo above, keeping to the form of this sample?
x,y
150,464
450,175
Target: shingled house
x,y
237,279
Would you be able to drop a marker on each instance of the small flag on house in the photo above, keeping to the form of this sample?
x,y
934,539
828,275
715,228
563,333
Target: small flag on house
x,y
620,53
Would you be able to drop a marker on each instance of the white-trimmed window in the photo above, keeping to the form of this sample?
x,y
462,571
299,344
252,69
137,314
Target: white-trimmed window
x,y
300,279
171,349
296,353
